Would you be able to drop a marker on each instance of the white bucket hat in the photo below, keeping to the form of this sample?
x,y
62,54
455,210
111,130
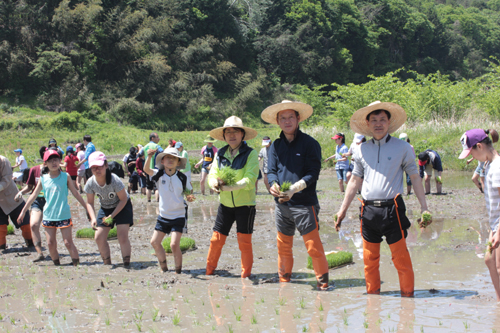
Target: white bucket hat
x,y
171,152
269,113
358,119
233,122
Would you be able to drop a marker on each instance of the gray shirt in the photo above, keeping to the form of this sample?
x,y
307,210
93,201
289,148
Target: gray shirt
x,y
263,155
382,163
107,194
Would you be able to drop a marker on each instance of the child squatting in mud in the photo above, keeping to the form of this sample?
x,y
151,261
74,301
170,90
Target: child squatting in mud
x,y
172,185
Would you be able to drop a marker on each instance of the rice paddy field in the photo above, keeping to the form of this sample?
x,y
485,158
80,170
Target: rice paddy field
x,y
453,288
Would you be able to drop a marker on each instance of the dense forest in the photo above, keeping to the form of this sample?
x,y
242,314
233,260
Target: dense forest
x,y
187,64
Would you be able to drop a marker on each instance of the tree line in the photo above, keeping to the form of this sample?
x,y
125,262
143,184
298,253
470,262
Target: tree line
x,y
188,64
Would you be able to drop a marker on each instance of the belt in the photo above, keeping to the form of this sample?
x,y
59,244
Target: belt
x,y
379,203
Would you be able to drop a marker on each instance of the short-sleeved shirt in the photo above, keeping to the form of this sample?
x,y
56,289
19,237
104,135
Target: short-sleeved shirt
x,y
342,165
34,177
263,154
152,145
491,185
81,157
107,194
172,204
208,155
71,168
188,165
381,163
89,149
23,164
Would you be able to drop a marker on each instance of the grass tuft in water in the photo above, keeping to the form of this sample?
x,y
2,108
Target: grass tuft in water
x,y
334,259
186,244
90,233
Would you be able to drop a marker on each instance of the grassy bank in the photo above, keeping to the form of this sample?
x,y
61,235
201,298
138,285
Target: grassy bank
x,y
29,129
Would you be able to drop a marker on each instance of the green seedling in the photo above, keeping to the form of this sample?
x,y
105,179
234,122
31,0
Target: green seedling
x,y
439,180
109,221
185,244
176,319
334,259
285,186
426,219
226,176
489,247
90,233
10,229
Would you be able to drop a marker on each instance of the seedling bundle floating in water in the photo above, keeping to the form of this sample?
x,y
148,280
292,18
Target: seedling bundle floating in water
x,y
90,233
335,259
226,176
186,244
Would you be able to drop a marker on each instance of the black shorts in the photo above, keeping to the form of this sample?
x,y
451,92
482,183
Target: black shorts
x,y
4,218
38,204
150,184
383,221
167,226
134,178
125,216
73,177
88,173
226,216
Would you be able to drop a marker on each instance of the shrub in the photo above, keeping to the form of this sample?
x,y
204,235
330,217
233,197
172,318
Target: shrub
x,y
186,244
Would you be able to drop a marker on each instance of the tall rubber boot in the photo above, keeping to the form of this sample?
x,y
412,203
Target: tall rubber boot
x,y
26,232
317,253
3,237
371,257
402,262
216,243
245,244
285,257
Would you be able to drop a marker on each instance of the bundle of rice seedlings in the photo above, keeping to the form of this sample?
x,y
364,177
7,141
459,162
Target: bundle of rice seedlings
x,y
90,233
10,229
425,220
439,180
334,259
337,225
109,221
186,244
284,188
226,176
489,247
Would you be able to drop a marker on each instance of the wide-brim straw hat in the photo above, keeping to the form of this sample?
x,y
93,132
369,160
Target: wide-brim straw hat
x,y
358,119
269,114
233,122
209,139
171,152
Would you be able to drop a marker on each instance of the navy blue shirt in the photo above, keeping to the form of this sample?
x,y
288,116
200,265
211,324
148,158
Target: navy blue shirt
x,y
434,159
293,161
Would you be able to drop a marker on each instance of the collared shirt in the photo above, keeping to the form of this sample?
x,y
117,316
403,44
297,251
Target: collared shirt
x,y
381,163
89,149
293,161
339,150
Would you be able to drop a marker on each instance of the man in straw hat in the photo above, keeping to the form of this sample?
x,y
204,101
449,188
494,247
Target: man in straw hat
x,y
237,201
208,152
295,157
381,161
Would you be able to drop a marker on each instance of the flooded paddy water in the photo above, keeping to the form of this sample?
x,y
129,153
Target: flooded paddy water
x,y
453,288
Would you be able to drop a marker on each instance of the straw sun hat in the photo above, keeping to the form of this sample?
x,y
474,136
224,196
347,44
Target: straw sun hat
x,y
358,119
209,139
171,152
269,114
233,122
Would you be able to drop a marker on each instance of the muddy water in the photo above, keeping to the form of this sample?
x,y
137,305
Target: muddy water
x,y
453,288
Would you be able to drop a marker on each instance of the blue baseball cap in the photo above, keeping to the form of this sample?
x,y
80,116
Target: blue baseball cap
x,y
18,151
69,148
178,145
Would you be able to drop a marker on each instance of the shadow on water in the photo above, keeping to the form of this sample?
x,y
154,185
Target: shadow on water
x,y
434,293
